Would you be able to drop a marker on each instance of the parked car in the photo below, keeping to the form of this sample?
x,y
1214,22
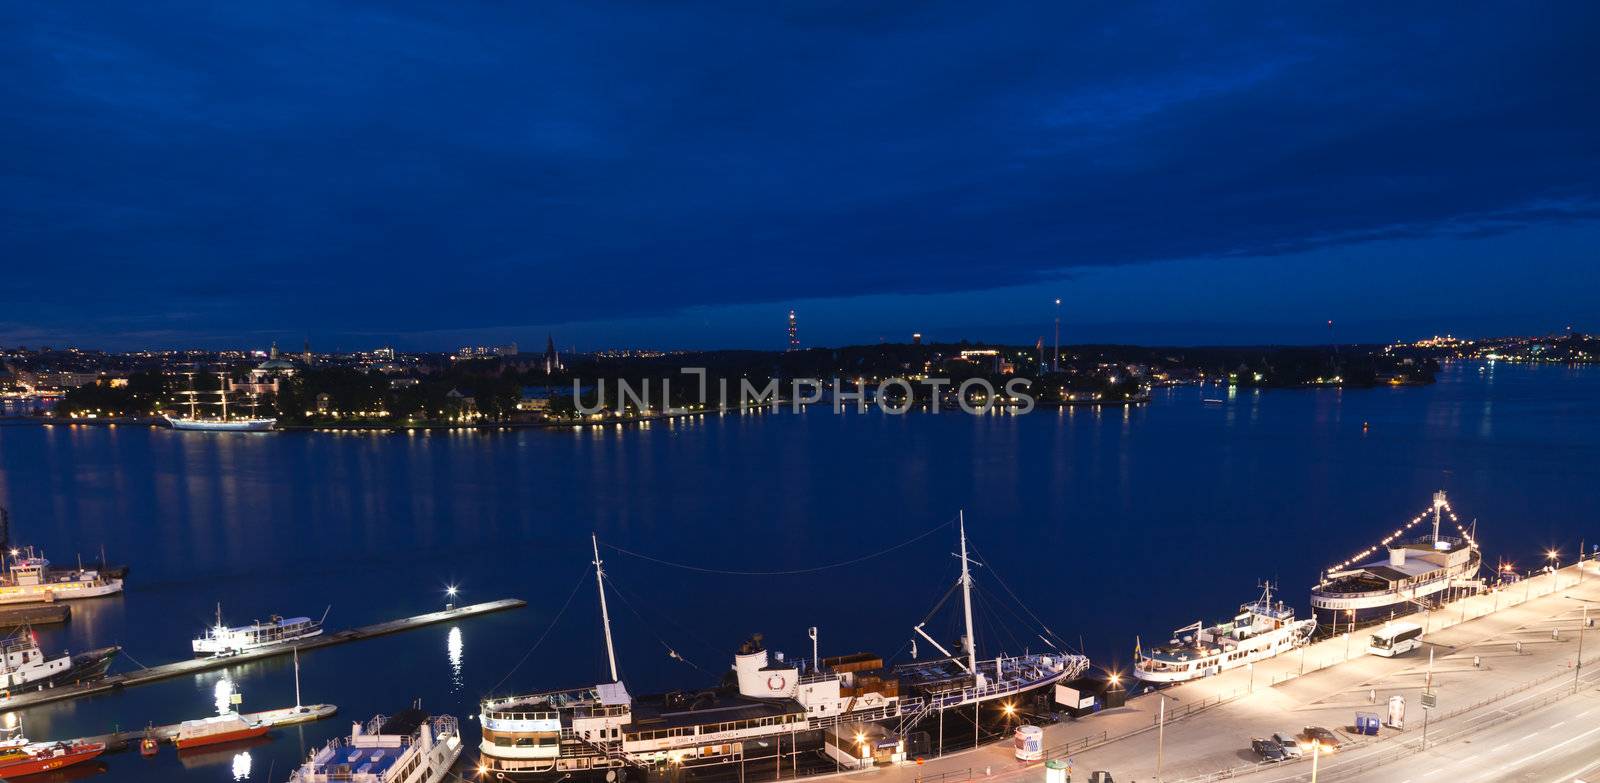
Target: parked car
x,y
1320,735
1268,750
1290,745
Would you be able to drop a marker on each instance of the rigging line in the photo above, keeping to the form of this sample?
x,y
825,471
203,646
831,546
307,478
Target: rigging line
x,y
790,572
646,623
691,635
1007,588
994,602
546,634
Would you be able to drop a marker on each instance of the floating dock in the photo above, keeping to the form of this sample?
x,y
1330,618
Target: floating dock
x,y
12,618
180,668
286,716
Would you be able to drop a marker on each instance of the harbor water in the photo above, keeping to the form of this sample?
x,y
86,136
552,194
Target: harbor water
x,y
1108,523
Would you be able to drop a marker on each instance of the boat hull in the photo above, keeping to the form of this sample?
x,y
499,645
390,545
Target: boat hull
x,y
34,765
187,743
58,591
235,425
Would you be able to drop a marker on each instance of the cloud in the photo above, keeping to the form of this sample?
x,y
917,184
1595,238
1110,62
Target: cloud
x,y
217,170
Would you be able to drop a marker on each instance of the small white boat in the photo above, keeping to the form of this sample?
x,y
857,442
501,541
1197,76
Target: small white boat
x,y
220,639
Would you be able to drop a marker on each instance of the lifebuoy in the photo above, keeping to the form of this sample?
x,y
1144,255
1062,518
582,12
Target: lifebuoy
x,y
776,682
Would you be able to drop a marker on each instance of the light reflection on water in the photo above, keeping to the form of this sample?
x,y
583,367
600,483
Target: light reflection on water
x,y
453,649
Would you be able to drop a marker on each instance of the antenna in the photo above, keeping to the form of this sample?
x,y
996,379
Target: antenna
x,y
816,663
605,616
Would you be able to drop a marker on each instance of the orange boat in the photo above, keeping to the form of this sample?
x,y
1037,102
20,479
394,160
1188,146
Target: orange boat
x,y
227,727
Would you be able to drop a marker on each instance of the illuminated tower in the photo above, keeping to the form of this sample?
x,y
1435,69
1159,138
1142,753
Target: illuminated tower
x,y
794,333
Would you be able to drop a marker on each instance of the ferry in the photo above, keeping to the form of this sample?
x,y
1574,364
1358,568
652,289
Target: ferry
x,y
23,666
20,757
30,579
221,640
408,747
1261,630
230,726
773,707
1418,572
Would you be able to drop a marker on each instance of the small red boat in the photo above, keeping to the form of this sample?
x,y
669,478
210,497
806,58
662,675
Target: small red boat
x,y
32,758
227,727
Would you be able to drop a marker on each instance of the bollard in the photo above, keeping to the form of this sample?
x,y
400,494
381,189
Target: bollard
x,y
1477,663
1519,646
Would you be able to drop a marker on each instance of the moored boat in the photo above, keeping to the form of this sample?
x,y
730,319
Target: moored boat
x,y
1418,572
1261,630
410,746
23,666
220,639
19,757
784,712
30,579
228,727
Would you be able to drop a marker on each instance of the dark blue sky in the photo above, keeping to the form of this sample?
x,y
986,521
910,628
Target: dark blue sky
x,y
675,174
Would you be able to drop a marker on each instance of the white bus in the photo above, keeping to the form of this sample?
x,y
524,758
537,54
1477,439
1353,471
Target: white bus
x,y
1395,639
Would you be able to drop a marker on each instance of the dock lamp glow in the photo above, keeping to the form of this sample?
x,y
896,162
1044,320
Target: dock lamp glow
x,y
450,597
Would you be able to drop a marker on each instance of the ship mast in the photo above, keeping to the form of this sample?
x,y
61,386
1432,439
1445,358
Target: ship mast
x,y
605,616
966,597
222,391
1438,507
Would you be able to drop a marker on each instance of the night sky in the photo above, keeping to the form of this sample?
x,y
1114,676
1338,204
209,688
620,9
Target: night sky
x,y
681,175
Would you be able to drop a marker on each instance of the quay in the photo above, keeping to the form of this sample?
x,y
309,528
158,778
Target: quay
x,y
284,716
1511,696
179,668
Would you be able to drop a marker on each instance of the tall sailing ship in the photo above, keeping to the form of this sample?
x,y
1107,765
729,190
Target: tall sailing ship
x,y
1418,572
854,707
222,422
1261,630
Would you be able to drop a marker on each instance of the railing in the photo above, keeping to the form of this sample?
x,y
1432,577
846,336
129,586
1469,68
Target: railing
x,y
953,776
1076,746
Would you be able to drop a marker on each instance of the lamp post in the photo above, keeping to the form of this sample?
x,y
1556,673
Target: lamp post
x,y
1316,750
1252,667
1161,734
1577,668
450,597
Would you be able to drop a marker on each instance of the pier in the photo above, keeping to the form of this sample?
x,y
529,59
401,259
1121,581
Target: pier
x,y
179,668
1505,672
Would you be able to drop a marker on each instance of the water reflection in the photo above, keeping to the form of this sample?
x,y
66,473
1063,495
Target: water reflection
x,y
452,650
241,765
224,695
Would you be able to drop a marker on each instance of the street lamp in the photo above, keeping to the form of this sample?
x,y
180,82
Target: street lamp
x,y
450,597
1316,750
1577,668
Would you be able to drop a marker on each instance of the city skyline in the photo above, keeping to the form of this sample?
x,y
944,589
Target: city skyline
x,y
682,177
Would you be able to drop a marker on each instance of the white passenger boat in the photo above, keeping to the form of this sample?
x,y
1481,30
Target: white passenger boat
x,y
1261,630
408,747
1417,572
220,639
30,579
787,713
